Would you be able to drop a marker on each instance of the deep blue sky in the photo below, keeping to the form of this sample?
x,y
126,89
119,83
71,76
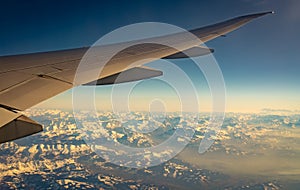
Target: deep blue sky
x,y
259,60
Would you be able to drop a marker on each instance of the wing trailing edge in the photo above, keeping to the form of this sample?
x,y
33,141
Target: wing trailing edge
x,y
14,125
130,75
192,52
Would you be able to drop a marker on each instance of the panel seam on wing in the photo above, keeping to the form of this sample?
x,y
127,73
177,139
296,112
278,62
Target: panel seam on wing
x,y
53,78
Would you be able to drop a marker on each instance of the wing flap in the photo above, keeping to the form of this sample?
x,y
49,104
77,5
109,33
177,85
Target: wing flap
x,y
7,116
20,127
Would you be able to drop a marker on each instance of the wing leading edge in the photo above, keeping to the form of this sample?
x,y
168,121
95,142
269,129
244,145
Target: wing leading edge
x,y
29,79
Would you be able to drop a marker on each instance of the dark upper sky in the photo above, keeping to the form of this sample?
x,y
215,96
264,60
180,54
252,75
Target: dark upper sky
x,y
262,56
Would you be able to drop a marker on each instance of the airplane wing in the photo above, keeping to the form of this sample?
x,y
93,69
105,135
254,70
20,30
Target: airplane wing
x,y
29,79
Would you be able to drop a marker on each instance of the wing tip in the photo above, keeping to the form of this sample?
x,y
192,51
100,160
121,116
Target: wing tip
x,y
264,13
268,12
256,15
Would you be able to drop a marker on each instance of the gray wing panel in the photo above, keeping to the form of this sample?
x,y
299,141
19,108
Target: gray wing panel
x,y
39,60
134,74
192,52
220,29
31,92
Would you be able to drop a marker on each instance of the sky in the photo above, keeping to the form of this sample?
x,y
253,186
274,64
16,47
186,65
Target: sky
x,y
260,62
